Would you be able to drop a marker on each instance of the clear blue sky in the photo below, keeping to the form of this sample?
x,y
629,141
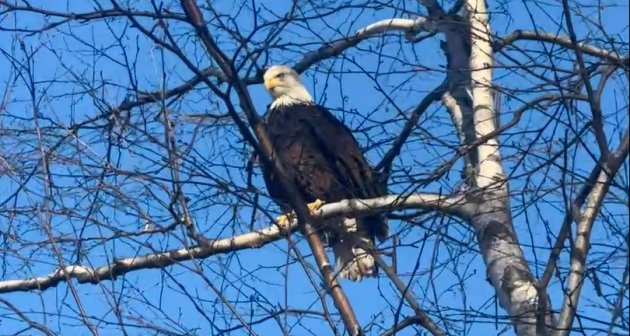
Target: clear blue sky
x,y
354,97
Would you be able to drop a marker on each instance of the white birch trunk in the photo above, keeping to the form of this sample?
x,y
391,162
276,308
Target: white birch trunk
x,y
506,266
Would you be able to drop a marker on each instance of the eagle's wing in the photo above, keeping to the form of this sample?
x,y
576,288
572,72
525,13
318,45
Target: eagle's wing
x,y
342,152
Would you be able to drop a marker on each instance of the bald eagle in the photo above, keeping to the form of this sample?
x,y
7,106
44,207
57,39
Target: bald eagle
x,y
325,160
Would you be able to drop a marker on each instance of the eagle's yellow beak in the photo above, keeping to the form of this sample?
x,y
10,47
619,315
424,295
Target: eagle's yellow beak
x,y
271,83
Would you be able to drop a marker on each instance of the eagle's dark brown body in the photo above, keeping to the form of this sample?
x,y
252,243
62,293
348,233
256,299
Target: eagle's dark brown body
x,y
325,160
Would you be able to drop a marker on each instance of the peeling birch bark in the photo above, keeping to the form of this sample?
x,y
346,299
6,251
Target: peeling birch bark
x,y
507,268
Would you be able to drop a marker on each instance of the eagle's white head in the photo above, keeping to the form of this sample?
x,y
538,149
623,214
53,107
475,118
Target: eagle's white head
x,y
285,86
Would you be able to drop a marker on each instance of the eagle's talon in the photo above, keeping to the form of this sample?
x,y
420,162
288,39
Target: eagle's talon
x,y
284,220
314,206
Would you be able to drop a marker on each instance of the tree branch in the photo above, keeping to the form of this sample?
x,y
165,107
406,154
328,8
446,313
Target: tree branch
x,y
455,205
33,324
332,49
571,215
593,99
405,291
581,245
83,17
407,322
412,122
564,41
265,148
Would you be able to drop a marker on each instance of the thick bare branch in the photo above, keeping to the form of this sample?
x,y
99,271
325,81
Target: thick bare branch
x,y
565,41
455,205
581,245
332,49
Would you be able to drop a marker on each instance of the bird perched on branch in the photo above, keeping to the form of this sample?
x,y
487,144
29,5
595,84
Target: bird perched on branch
x,y
322,156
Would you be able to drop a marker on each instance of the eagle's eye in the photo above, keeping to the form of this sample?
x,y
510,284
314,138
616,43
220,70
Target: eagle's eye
x,y
281,75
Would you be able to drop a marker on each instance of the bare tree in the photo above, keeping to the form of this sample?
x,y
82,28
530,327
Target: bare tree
x,y
131,136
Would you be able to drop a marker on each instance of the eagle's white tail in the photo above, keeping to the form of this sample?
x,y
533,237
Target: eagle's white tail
x,y
352,260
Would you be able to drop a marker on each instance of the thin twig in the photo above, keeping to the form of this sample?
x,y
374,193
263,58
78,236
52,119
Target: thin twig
x,y
423,319
386,162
